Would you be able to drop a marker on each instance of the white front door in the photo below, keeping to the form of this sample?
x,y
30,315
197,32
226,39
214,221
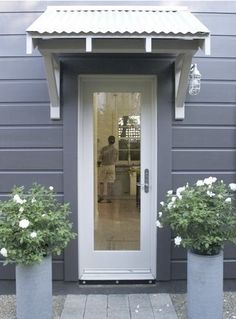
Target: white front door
x,y
117,193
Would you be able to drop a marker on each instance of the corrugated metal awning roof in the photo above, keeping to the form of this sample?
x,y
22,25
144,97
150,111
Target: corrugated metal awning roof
x,y
155,21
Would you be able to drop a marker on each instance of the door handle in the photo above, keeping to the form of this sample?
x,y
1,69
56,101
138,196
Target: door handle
x,y
146,180
145,186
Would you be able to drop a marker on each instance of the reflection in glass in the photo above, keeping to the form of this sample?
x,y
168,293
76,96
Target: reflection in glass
x,y
117,137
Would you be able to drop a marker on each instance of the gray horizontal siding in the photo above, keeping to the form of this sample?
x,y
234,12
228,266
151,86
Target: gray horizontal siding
x,y
8,272
215,92
9,179
22,6
23,21
221,46
59,197
35,159
25,137
179,264
55,257
217,69
179,253
31,145
179,269
204,143
208,114
204,137
181,178
200,160
14,45
24,91
21,68
26,114
196,6
219,24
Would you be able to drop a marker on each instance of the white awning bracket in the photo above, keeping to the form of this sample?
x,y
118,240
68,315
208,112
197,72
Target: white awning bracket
x,y
29,44
182,67
89,44
148,44
52,70
206,45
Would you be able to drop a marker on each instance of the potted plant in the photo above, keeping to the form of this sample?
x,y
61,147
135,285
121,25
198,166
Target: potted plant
x,y
33,226
203,218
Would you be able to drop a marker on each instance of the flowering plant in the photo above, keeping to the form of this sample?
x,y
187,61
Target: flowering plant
x,y
33,225
202,216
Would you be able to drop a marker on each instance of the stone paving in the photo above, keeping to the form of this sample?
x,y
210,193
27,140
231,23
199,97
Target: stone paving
x,y
119,306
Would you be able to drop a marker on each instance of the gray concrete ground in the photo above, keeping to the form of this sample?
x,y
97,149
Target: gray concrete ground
x,y
113,306
116,306
179,302
123,305
8,306
61,290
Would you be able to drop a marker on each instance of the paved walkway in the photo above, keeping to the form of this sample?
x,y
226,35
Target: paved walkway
x,y
122,306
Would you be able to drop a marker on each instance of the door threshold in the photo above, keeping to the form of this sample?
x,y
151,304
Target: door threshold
x,y
117,282
117,276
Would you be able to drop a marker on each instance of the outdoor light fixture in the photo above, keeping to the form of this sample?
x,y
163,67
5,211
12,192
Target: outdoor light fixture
x,y
194,80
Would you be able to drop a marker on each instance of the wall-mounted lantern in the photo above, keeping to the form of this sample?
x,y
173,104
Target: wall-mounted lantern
x,y
194,80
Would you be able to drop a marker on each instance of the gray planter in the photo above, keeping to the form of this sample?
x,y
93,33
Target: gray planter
x,y
34,290
205,286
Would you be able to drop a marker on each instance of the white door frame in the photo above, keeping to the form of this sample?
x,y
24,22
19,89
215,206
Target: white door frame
x,y
84,227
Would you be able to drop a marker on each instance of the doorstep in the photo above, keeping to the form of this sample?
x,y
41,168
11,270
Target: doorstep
x,y
119,306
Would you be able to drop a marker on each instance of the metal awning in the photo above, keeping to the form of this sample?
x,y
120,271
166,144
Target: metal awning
x,y
118,29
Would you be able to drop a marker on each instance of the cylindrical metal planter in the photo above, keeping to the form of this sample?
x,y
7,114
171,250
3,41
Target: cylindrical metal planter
x,y
34,290
205,286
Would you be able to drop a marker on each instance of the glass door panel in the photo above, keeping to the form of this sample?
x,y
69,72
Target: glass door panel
x,y
117,140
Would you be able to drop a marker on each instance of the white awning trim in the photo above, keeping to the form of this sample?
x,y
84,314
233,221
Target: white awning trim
x,y
118,29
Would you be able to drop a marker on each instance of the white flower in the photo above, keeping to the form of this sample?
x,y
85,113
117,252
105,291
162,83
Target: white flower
x,y
43,215
158,224
200,182
209,180
51,188
179,191
228,200
21,209
33,234
232,186
160,214
170,192
3,252
162,203
209,193
23,201
17,199
24,223
171,204
177,240
33,200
